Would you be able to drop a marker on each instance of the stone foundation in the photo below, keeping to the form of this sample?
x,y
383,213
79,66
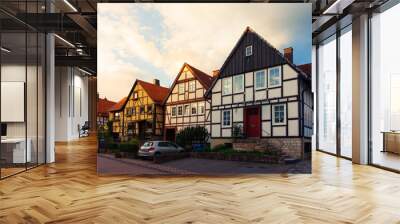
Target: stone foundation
x,y
293,147
220,141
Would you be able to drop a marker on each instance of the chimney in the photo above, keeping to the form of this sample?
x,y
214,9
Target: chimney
x,y
156,82
288,53
215,73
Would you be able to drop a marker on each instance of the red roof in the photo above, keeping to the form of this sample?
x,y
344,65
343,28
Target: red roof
x,y
118,106
155,92
203,78
104,105
306,68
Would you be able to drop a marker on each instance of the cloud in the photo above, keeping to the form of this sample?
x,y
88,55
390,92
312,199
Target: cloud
x,y
148,41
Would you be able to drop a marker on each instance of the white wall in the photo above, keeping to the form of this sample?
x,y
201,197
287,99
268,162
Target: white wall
x,y
71,102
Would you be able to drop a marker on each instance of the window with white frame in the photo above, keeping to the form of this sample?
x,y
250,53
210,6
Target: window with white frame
x,y
180,110
226,118
260,79
186,110
192,86
227,86
201,108
181,88
238,83
173,111
249,50
194,109
279,114
274,77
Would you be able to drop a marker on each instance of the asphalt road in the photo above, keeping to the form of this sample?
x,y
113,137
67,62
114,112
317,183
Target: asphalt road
x,y
107,164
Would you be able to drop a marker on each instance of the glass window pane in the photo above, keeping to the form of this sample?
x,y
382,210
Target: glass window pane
x,y
238,83
385,89
226,86
31,101
346,94
14,154
327,95
274,77
260,79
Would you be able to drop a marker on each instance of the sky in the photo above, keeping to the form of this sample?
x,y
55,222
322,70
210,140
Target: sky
x,y
152,41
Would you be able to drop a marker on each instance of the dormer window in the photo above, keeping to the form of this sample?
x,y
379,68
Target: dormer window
x,y
249,50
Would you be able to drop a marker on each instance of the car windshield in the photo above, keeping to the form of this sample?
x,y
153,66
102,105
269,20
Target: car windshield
x,y
147,144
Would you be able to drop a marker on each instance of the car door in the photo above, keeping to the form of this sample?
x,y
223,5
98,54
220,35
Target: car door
x,y
173,147
164,147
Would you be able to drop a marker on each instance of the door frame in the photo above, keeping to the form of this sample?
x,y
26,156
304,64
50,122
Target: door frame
x,y
165,133
258,107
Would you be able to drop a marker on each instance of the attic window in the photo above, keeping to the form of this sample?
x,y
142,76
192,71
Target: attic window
x,y
249,50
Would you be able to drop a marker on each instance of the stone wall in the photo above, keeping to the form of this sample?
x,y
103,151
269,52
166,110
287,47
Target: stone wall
x,y
293,147
220,141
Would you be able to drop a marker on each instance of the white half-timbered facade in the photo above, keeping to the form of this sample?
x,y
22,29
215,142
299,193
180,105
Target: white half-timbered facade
x,y
185,104
261,94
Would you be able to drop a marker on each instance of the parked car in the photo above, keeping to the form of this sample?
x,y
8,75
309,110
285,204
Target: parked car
x,y
156,148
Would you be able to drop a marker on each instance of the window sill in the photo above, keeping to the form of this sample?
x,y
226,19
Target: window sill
x,y
262,88
276,86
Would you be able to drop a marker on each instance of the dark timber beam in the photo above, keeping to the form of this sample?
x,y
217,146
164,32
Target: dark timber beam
x,y
79,61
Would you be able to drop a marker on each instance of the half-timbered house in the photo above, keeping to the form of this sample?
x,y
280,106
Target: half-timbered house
x,y
103,108
185,104
143,114
261,96
116,112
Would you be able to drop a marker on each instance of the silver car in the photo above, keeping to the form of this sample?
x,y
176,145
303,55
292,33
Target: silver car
x,y
156,148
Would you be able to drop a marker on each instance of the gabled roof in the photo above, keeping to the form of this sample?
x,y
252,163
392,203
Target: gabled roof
x,y
204,79
119,105
306,68
104,105
155,92
277,54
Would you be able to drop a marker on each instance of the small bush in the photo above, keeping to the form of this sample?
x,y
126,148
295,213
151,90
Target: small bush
x,y
112,145
134,141
192,135
128,147
221,147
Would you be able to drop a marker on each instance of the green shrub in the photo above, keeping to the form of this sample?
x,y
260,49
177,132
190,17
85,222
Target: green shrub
x,y
192,135
134,141
112,145
220,147
128,147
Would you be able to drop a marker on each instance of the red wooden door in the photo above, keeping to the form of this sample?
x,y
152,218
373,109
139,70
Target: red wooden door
x,y
253,122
